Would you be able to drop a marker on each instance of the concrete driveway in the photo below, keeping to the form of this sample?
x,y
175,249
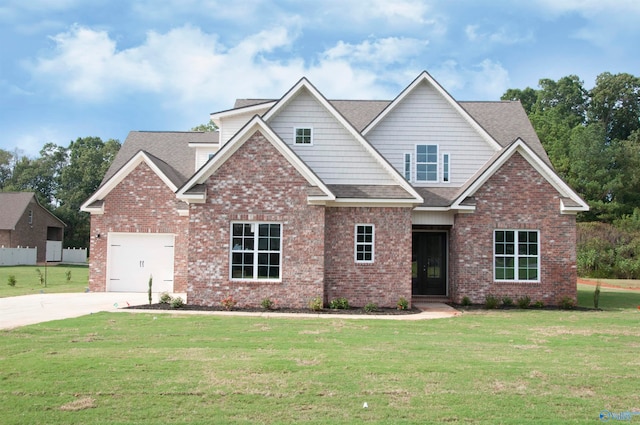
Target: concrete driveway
x,y
37,308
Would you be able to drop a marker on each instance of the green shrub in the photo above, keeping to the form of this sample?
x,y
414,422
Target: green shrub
x,y
538,304
524,301
11,281
370,307
177,302
150,285
596,296
41,278
567,303
402,304
339,304
316,304
491,302
268,304
507,302
466,301
68,275
165,298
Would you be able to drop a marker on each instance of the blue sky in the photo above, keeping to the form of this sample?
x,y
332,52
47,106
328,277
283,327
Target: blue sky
x,y
77,68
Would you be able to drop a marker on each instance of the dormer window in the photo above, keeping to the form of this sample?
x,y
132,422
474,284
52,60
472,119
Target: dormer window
x,y
303,136
427,163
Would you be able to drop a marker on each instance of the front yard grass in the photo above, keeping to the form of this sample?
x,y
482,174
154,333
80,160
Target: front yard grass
x,y
483,367
28,279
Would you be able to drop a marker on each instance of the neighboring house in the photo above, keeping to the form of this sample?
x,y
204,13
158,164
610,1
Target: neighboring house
x,y
303,197
26,223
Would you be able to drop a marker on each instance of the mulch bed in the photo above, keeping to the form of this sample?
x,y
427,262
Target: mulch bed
x,y
353,310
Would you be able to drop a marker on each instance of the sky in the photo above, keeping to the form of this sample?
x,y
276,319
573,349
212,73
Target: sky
x,y
101,68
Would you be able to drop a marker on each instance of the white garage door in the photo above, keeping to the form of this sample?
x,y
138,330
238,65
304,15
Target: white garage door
x,y
134,257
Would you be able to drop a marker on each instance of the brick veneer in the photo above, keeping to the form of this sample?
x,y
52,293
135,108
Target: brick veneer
x,y
141,203
257,185
385,280
515,197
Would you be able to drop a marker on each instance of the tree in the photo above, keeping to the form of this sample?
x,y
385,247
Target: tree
x,y
615,102
210,126
6,160
527,97
89,160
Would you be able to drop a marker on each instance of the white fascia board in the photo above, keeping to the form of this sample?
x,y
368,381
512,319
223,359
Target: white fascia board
x,y
424,76
256,124
253,109
122,173
538,164
93,210
305,84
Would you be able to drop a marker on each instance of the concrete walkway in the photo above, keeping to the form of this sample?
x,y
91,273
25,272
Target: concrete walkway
x,y
38,308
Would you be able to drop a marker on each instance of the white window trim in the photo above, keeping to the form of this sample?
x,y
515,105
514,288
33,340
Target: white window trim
x,y
515,256
438,167
255,251
404,166
372,243
295,131
448,166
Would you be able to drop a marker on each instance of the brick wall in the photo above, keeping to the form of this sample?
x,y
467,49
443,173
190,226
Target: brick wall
x,y
515,197
389,277
141,203
256,185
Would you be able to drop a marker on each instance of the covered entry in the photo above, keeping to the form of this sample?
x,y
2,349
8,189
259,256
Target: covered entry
x,y
429,262
134,257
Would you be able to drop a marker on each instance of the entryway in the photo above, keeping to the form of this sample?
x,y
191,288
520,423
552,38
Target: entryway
x,y
429,263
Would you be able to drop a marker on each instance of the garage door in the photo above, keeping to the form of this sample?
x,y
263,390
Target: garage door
x,y
133,257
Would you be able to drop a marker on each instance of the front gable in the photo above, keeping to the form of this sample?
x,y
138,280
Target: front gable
x,y
163,171
425,115
194,190
568,202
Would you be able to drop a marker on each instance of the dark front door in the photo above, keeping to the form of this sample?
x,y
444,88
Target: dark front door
x,y
429,263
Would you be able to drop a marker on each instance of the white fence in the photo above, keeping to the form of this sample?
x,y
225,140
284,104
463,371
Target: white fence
x,y
18,256
28,256
54,251
74,255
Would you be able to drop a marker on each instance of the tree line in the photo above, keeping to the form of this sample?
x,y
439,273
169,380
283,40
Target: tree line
x,y
592,138
62,179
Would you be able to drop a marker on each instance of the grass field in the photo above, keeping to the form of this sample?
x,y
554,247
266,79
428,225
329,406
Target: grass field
x,y
483,367
28,279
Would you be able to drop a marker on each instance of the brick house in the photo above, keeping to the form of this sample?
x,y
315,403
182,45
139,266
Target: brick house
x,y
26,223
303,197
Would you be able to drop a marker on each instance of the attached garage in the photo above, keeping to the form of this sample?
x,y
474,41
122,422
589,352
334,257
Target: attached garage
x,y
134,257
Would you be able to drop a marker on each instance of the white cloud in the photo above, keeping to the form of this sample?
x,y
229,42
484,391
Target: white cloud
x,y
502,35
486,80
380,51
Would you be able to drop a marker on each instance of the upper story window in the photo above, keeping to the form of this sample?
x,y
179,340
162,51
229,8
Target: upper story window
x,y
407,166
446,170
427,163
303,136
30,216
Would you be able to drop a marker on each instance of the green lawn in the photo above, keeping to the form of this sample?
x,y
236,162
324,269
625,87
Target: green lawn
x,y
28,279
483,367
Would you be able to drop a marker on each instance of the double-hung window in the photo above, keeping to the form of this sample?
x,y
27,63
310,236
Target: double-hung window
x,y
517,255
407,166
303,136
427,163
256,251
364,243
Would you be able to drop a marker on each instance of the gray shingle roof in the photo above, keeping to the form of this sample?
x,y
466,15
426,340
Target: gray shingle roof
x,y
12,206
171,149
368,191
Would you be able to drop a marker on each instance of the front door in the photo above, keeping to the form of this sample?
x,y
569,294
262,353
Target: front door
x,y
429,265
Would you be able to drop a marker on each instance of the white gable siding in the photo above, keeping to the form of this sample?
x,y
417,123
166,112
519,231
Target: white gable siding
x,y
335,155
202,155
424,117
230,125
